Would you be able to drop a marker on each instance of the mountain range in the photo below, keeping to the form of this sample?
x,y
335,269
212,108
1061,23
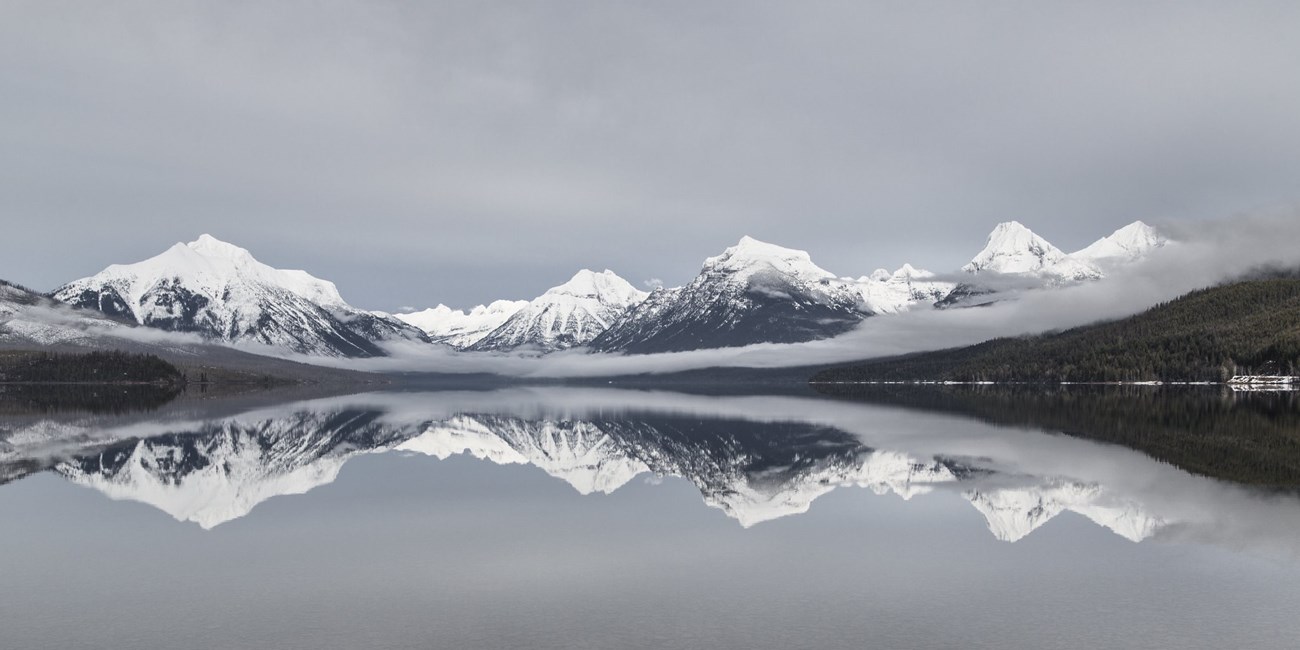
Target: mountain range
x,y
753,292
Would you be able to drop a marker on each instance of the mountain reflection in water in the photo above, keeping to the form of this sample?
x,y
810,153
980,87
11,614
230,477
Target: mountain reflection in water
x,y
754,458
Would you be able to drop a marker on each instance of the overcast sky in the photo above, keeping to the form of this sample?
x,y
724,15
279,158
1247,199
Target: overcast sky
x,y
464,152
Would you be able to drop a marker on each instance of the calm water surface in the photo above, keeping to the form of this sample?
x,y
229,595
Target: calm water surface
x,y
565,518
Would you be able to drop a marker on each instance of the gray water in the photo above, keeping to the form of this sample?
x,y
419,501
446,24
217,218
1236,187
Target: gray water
x,y
564,518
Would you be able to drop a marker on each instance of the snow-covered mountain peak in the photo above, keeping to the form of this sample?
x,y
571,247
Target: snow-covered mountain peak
x,y
1127,243
1013,248
909,272
888,293
207,263
752,256
209,246
605,286
221,291
754,292
460,328
566,316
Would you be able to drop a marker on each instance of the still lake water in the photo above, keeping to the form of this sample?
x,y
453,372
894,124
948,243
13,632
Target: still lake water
x,y
577,518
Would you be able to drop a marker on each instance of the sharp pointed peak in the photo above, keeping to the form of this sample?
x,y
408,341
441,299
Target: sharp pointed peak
x,y
1014,248
750,243
211,246
1137,227
1011,227
1014,232
1131,242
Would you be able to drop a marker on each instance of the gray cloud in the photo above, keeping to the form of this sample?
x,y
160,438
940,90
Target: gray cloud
x,y
459,153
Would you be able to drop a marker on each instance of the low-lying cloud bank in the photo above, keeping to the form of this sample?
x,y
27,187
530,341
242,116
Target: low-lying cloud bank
x,y
1205,253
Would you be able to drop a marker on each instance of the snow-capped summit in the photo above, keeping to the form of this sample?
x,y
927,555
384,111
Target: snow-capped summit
x,y
567,315
222,292
754,292
605,287
1014,249
461,329
1126,244
209,246
751,256
909,272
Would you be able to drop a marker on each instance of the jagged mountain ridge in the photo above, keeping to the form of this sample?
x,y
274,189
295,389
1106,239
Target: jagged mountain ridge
x,y
218,290
461,329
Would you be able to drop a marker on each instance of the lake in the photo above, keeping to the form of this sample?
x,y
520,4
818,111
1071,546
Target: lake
x,y
554,517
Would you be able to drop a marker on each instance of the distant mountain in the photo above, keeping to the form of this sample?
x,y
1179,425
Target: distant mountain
x,y
1016,259
1130,243
1014,249
461,329
29,319
221,292
566,316
888,293
33,322
1247,327
754,292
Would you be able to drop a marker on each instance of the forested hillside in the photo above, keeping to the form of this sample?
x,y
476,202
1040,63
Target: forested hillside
x,y
99,367
1248,327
